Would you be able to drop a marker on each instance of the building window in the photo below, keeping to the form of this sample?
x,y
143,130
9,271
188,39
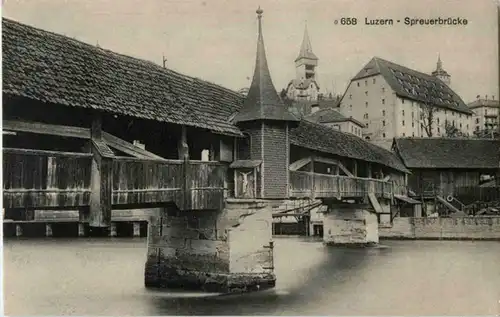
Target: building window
x,y
383,123
403,112
467,126
383,135
374,81
358,83
366,93
404,134
366,82
350,96
366,104
403,123
383,101
439,130
383,89
402,101
485,112
365,116
460,125
350,107
460,115
437,120
413,134
383,113
413,124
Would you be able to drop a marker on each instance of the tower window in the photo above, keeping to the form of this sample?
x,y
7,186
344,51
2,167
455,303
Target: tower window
x,y
383,113
366,104
383,123
403,112
403,123
383,101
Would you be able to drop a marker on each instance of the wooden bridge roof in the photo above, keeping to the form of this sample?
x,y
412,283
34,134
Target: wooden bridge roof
x,y
448,153
50,67
321,138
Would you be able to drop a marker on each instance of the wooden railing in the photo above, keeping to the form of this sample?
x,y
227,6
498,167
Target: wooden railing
x,y
307,184
43,179
33,178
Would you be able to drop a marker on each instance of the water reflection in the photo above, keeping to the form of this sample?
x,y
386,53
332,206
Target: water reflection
x,y
105,277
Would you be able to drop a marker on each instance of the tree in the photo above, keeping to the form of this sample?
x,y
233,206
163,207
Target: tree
x,y
428,118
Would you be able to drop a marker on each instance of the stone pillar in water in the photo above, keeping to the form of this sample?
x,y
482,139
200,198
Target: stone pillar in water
x,y
350,225
214,251
137,229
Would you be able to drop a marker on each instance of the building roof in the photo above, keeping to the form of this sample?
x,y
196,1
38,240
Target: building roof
x,y
262,101
414,85
321,138
448,153
306,48
53,68
329,115
484,103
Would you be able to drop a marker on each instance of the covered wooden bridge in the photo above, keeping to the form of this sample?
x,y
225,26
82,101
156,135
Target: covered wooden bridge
x,y
93,130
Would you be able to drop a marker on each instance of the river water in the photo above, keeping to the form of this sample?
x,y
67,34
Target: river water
x,y
105,277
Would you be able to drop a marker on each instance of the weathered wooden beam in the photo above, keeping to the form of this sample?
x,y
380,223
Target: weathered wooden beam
x,y
299,164
369,170
183,147
128,148
101,178
387,178
355,168
44,128
345,170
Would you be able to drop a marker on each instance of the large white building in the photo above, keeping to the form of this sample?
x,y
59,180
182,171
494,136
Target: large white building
x,y
396,101
486,113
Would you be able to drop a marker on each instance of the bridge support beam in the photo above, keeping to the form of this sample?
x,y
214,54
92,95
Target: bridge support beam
x,y
350,225
213,251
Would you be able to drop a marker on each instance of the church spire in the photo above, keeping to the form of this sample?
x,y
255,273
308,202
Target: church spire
x,y
262,101
306,48
441,73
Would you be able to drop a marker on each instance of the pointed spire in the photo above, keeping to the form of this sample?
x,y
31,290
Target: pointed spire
x,y
439,65
306,48
262,101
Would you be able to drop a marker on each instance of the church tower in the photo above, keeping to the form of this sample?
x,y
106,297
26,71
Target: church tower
x,y
266,120
441,73
306,62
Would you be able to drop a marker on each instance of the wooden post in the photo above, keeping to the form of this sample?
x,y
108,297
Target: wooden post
x,y
183,149
369,170
48,230
112,230
312,177
19,230
137,229
101,178
355,168
81,230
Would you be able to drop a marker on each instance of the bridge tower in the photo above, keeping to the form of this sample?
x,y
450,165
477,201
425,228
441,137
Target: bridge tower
x,y
266,119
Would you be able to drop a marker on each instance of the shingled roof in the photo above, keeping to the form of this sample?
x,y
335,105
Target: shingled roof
x,y
49,67
320,138
448,153
329,115
262,101
414,85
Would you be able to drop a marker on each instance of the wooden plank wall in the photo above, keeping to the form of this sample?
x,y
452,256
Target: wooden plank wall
x,y
44,178
41,179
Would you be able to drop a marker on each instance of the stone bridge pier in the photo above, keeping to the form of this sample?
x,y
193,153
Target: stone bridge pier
x,y
221,251
350,224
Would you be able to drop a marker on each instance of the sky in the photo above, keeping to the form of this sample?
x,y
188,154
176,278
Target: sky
x,y
215,40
